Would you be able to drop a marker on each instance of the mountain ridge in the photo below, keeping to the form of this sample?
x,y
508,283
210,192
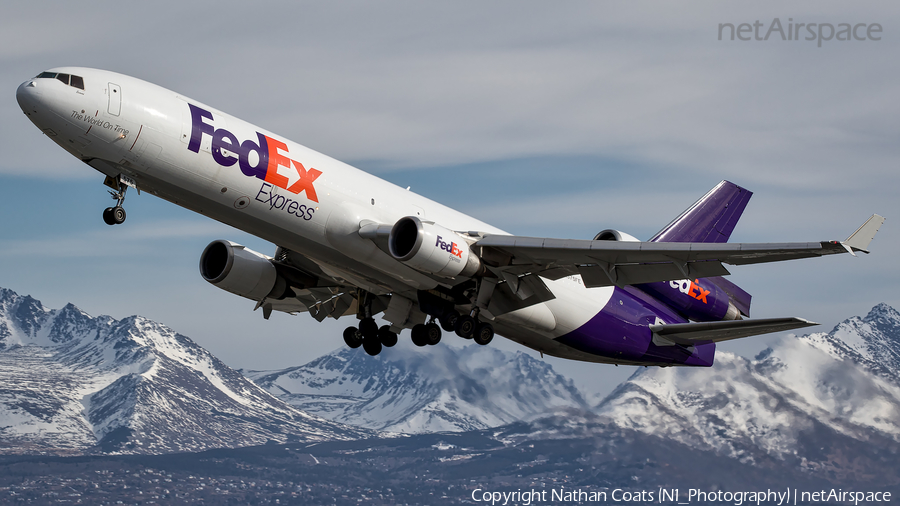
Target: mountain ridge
x,y
838,381
413,391
129,386
825,403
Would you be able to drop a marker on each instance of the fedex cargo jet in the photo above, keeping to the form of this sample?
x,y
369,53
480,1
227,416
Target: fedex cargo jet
x,y
351,244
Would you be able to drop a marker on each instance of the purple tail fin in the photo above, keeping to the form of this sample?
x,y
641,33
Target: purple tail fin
x,y
710,219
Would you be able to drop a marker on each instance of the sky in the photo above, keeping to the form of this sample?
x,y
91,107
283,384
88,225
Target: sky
x,y
554,119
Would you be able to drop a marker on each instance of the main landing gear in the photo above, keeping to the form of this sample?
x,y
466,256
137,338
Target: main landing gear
x,y
469,327
426,334
116,215
465,326
370,336
373,338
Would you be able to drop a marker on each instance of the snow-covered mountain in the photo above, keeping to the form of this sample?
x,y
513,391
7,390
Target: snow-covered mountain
x,y
72,383
793,399
824,404
410,390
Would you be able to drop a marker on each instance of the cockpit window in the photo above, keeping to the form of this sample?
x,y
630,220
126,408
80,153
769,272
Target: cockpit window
x,y
74,81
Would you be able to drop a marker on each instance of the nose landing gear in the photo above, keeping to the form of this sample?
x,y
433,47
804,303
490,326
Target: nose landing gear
x,y
115,215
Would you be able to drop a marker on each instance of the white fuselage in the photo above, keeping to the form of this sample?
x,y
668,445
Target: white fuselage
x,y
121,125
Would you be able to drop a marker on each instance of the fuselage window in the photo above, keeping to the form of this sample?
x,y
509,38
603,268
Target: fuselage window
x,y
78,82
64,78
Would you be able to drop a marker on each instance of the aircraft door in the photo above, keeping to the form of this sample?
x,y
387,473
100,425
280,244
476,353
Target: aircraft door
x,y
115,99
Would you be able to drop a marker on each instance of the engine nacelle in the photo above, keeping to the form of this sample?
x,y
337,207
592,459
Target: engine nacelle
x,y
241,271
431,248
615,235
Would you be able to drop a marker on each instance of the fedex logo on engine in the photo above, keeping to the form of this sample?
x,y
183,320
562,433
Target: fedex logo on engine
x,y
449,247
272,165
691,288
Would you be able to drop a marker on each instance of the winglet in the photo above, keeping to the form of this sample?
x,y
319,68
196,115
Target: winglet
x,y
859,240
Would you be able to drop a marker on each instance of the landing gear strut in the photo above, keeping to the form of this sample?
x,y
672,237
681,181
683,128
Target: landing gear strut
x,y
116,215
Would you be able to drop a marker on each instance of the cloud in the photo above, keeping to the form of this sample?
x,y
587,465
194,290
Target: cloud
x,y
133,241
441,85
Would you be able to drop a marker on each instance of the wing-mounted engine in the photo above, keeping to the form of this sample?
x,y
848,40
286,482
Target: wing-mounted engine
x,y
278,284
242,271
431,248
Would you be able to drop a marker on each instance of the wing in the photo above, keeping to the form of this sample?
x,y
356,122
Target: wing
x,y
693,333
606,263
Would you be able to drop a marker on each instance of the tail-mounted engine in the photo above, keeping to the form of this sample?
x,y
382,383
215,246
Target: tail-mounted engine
x,y
700,300
615,235
241,271
431,248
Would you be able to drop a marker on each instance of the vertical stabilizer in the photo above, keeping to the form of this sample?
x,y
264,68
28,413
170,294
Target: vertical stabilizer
x,y
710,219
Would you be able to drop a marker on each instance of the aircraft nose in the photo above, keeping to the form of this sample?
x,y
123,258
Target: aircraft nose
x,y
28,95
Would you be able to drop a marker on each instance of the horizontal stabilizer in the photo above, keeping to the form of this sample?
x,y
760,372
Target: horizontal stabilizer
x,y
692,333
859,240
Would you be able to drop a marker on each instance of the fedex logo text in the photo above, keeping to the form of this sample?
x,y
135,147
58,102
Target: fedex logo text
x,y
449,247
272,164
691,288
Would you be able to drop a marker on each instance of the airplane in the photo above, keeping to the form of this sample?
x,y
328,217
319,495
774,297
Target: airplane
x,y
351,244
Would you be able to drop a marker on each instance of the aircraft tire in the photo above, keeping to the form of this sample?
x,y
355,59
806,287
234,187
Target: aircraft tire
x,y
372,346
108,216
118,215
465,326
432,334
448,321
352,337
484,333
418,335
387,337
368,328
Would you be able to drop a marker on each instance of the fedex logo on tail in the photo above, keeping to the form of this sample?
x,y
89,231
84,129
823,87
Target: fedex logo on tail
x,y
449,247
272,164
